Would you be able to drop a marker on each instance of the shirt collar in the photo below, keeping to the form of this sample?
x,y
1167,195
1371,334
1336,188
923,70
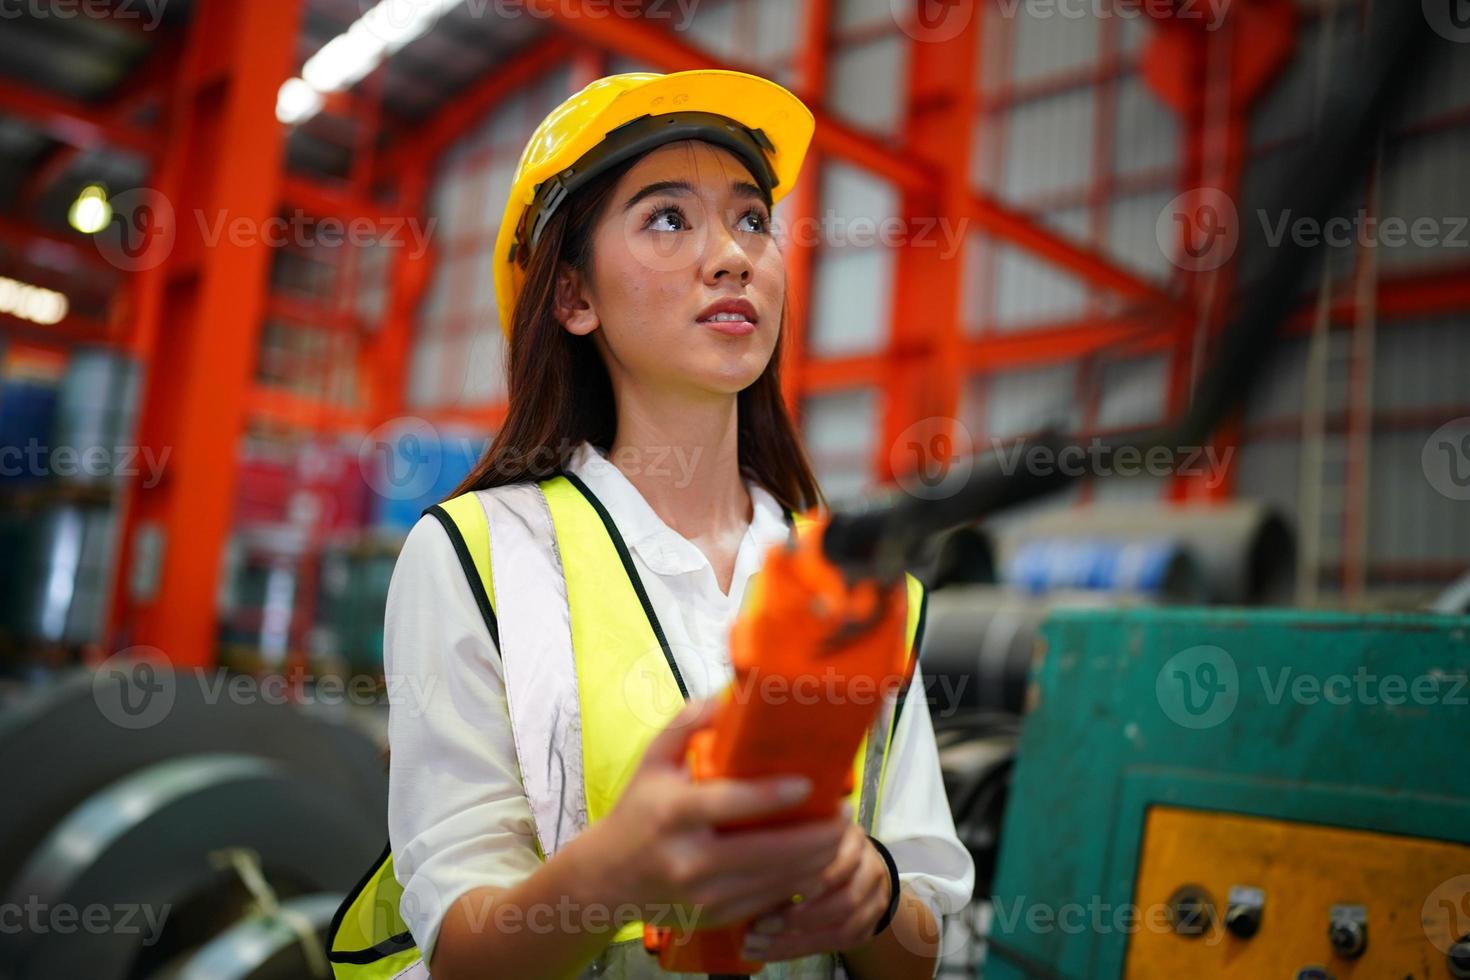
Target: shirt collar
x,y
663,549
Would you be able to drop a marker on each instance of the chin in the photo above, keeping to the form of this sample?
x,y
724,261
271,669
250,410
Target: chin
x,y
734,372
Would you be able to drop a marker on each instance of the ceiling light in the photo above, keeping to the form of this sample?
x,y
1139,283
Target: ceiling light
x,y
90,212
27,302
297,102
352,55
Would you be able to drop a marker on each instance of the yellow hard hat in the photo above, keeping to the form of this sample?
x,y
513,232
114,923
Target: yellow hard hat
x,y
617,118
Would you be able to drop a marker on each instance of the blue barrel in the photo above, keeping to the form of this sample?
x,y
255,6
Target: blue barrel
x,y
1161,568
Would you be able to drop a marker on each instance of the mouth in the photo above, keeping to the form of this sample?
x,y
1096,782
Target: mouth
x,y
734,317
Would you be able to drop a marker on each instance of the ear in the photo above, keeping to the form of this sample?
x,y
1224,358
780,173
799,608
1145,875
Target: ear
x,y
572,306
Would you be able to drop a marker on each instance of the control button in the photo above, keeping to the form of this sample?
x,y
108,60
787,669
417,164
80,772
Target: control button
x,y
1243,911
1348,930
1459,958
1314,973
1191,911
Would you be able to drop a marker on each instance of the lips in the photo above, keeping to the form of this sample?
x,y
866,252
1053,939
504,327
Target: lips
x,y
740,307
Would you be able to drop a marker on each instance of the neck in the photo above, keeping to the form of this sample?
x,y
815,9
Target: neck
x,y
681,451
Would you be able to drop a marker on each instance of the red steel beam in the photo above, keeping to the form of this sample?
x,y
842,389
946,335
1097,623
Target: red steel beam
x,y
1415,294
1025,232
72,122
145,86
323,200
1061,342
841,373
45,247
1042,344
423,144
199,320
72,329
290,410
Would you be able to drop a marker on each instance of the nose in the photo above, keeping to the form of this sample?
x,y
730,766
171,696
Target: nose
x,y
724,257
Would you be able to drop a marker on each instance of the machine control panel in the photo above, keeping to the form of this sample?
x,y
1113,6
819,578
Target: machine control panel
x,y
1225,895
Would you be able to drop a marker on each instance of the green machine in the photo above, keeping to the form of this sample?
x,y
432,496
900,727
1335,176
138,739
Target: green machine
x,y
1204,793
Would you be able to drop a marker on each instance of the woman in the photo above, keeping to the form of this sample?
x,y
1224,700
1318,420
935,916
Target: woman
x,y
539,805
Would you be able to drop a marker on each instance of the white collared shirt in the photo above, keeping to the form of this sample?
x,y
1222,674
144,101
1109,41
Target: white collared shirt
x,y
458,817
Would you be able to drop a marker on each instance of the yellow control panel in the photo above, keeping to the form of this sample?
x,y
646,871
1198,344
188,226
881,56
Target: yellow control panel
x,y
1222,895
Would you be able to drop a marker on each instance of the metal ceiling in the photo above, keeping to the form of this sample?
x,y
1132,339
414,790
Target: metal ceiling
x,y
59,51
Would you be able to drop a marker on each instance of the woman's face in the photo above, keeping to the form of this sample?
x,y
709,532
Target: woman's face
x,y
684,231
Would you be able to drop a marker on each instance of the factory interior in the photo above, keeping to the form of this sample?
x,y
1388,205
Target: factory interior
x,y
1127,340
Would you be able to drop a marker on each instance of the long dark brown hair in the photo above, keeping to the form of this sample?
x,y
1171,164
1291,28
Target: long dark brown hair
x,y
560,393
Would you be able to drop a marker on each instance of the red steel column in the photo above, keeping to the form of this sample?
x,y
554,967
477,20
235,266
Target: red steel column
x,y
386,355
200,316
925,352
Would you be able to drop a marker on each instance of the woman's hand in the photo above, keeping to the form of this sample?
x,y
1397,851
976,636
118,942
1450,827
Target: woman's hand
x,y
658,848
840,916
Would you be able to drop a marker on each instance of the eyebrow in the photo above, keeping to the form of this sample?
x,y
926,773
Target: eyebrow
x,y
740,188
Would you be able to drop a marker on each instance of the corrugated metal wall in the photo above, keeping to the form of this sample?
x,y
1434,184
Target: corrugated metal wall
x,y
1415,534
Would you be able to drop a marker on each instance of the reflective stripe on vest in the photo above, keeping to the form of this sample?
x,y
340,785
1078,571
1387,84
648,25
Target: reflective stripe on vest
x,y
590,679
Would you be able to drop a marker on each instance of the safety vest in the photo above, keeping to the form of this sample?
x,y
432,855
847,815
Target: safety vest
x,y
590,679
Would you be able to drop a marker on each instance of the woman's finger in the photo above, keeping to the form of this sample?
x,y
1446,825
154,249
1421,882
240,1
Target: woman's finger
x,y
818,843
716,801
834,938
832,909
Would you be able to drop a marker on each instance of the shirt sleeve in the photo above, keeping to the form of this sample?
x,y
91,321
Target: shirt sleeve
x,y
458,817
914,820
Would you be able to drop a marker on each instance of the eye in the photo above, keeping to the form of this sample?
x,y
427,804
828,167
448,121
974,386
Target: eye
x,y
757,219
668,217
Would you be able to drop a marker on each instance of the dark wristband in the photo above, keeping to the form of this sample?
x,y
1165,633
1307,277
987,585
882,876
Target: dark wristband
x,y
893,886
